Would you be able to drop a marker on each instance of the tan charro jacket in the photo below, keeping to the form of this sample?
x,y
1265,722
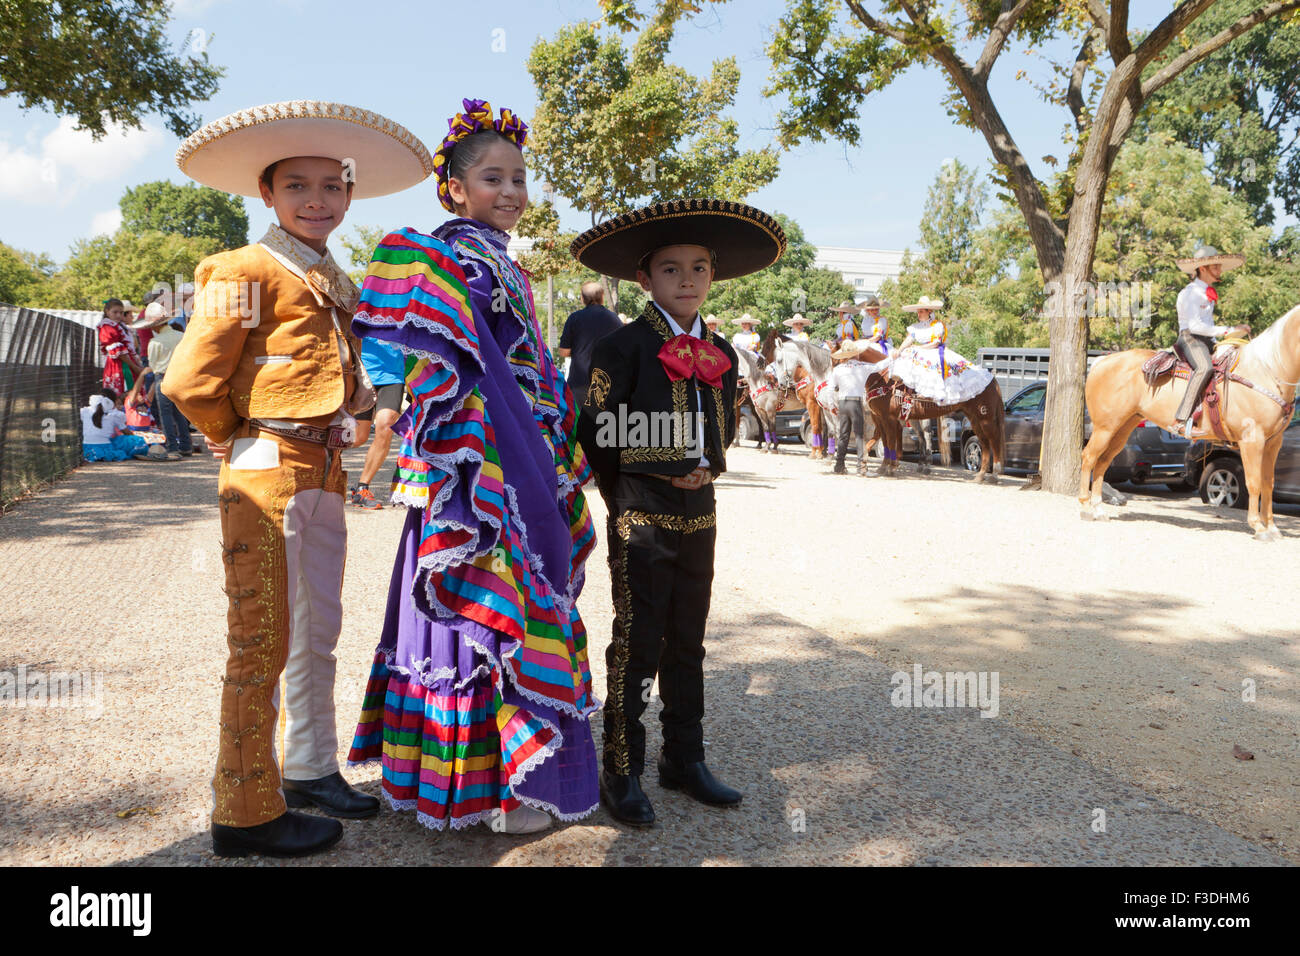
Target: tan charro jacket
x,y
261,342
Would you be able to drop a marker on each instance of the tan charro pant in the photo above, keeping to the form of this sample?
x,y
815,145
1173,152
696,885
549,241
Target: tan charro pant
x,y
283,543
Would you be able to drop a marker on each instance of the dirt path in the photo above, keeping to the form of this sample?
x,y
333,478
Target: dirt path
x,y
1120,650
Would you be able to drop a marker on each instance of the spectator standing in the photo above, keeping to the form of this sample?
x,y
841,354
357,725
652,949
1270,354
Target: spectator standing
x,y
174,425
387,370
582,330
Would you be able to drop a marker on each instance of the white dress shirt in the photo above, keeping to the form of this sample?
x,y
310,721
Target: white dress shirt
x,y
1196,310
695,332
850,379
745,340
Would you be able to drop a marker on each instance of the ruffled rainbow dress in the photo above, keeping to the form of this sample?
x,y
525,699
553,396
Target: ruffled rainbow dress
x,y
480,692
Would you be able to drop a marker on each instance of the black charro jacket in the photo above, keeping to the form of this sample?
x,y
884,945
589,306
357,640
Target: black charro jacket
x,y
627,377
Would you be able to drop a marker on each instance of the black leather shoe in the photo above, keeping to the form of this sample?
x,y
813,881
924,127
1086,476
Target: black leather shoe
x,y
331,794
696,780
625,800
292,834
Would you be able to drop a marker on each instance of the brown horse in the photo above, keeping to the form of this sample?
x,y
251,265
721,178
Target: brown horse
x,y
1255,411
985,412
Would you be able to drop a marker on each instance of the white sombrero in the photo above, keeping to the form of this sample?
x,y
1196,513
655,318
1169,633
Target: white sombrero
x,y
154,314
746,318
848,305
925,302
796,321
1208,256
849,350
230,153
711,321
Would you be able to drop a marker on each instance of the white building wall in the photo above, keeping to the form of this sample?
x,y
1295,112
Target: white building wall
x,y
864,269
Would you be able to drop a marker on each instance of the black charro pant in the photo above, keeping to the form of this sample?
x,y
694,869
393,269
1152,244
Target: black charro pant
x,y
1196,351
661,543
852,422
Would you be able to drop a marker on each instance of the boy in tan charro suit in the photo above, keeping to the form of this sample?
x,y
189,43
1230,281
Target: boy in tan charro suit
x,y
269,373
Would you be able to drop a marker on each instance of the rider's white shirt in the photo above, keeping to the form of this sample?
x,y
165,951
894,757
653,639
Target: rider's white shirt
x,y
745,340
695,332
1196,310
850,379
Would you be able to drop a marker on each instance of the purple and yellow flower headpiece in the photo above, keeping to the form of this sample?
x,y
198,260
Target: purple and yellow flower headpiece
x,y
476,118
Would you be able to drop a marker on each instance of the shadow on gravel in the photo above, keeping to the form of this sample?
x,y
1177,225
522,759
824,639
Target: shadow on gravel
x,y
129,499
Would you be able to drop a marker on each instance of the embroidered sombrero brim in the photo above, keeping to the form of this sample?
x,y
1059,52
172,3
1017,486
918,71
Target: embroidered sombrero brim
x,y
230,153
932,305
1227,260
744,239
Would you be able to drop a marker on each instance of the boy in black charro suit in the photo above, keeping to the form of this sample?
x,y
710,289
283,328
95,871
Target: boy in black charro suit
x,y
662,396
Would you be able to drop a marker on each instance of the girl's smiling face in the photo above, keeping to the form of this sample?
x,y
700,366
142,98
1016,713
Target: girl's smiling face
x,y
114,312
495,190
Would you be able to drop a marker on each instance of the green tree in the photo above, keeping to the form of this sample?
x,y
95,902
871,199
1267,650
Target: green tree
x,y
616,128
828,57
792,285
126,266
189,210
102,61
361,244
1240,106
24,277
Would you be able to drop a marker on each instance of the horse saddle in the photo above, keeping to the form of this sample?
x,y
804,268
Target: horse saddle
x,y
1166,362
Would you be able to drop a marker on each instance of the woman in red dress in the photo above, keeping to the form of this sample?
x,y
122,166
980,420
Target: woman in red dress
x,y
118,346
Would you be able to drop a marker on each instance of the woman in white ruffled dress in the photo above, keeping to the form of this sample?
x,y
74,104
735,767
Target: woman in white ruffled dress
x,y
926,364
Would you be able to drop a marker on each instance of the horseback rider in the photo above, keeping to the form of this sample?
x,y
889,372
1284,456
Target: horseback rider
x,y
848,329
747,338
875,327
1196,328
798,327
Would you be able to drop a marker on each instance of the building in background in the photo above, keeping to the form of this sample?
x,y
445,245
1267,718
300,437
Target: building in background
x,y
864,269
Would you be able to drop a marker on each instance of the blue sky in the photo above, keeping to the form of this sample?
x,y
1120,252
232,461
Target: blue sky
x,y
414,63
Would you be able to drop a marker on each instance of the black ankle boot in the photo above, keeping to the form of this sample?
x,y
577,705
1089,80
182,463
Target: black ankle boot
x,y
696,781
625,800
291,834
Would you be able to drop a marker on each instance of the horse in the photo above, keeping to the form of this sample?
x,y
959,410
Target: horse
x,y
985,412
807,369
766,398
1255,417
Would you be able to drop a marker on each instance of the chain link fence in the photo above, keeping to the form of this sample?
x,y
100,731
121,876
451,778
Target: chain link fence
x,y
49,366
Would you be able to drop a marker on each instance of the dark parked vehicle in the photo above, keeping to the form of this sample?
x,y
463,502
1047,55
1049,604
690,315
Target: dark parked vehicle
x,y
1150,455
788,422
1216,470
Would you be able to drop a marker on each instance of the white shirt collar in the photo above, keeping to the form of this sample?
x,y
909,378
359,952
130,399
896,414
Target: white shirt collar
x,y
695,326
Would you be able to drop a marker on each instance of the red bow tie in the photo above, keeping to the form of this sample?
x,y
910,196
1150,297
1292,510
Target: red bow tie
x,y
1211,294
683,356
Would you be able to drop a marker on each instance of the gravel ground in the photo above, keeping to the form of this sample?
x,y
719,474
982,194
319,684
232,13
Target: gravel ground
x,y
1121,649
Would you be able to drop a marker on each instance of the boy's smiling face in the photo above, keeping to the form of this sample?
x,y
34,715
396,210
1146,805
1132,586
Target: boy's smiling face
x,y
678,280
309,197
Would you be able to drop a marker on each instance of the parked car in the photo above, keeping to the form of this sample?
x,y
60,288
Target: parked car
x,y
1150,455
1215,470
788,422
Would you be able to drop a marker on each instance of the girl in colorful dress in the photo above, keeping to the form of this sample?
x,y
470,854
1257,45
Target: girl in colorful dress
x,y
122,363
104,436
478,701
926,364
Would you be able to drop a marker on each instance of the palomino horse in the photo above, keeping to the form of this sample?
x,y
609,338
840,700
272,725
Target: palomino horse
x,y
766,397
985,412
1255,411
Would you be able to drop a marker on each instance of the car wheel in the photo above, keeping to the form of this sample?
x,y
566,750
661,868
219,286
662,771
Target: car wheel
x,y
746,429
1223,485
972,453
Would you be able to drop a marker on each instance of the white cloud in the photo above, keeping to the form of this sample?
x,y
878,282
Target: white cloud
x,y
106,223
67,158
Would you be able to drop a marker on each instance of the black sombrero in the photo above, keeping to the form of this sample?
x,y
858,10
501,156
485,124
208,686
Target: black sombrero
x,y
743,238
